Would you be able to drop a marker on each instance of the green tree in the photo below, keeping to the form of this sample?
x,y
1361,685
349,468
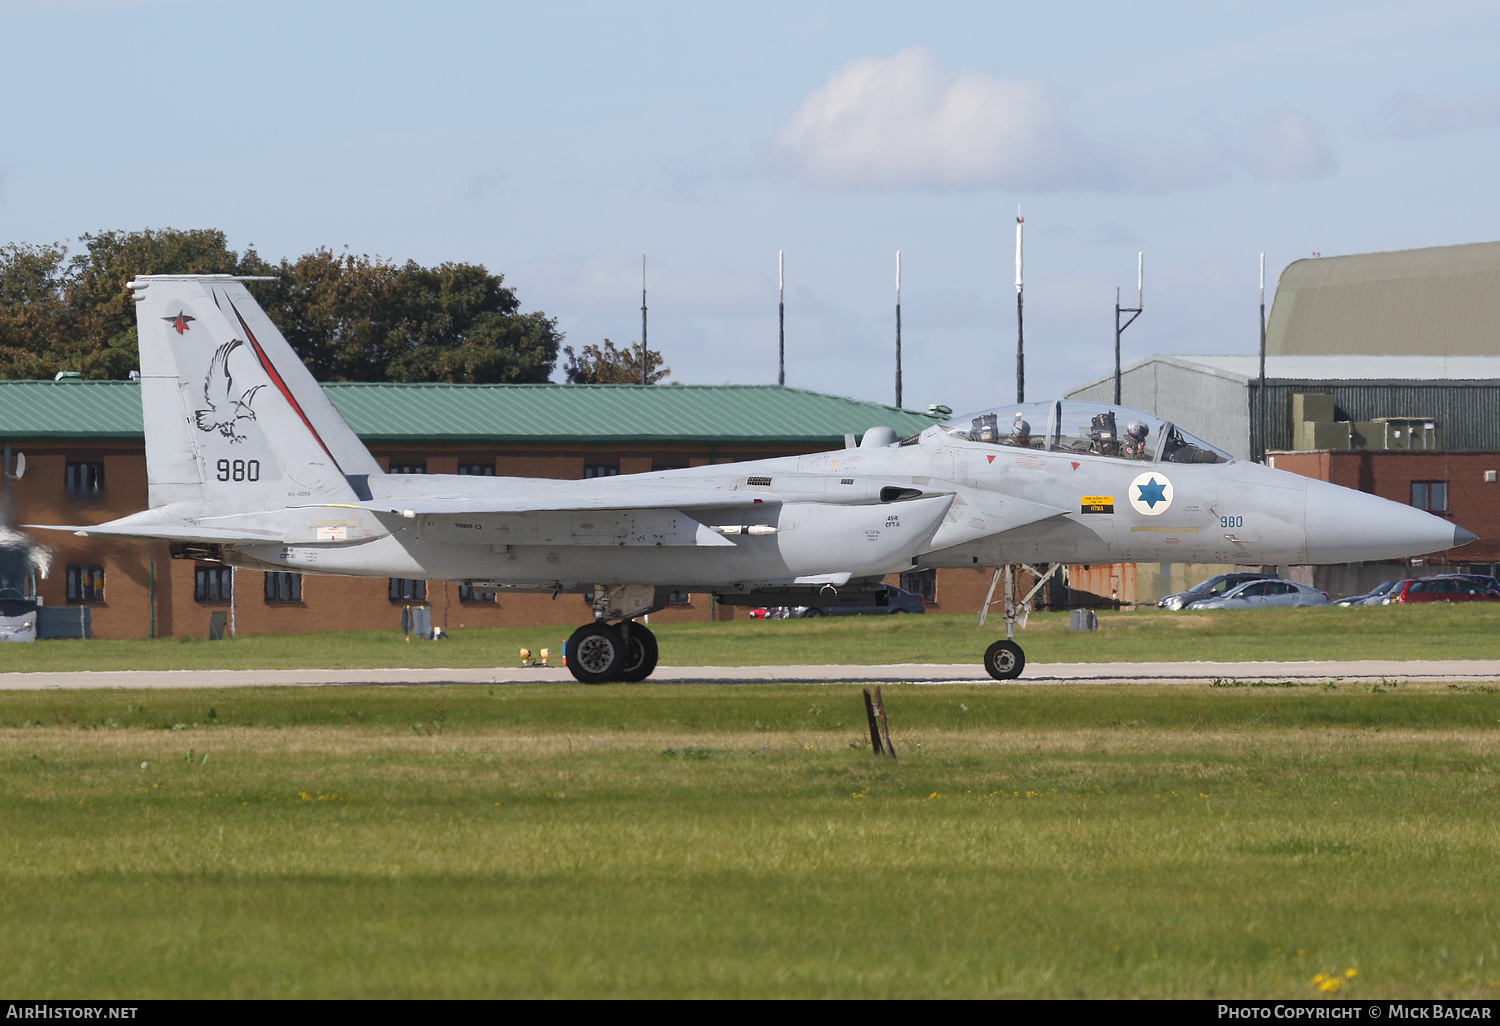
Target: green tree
x,y
350,318
607,365
33,308
353,318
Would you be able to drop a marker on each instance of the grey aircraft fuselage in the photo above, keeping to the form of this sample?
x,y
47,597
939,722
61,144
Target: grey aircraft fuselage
x,y
249,464
980,505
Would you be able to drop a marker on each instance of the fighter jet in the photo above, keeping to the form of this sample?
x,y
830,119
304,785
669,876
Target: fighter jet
x,y
272,478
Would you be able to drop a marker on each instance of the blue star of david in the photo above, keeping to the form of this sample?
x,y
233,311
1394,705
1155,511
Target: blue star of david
x,y
1152,492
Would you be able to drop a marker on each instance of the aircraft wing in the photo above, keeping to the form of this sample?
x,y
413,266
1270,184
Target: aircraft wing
x,y
146,532
633,498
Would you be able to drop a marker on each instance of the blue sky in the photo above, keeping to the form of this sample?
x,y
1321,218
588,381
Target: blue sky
x,y
556,143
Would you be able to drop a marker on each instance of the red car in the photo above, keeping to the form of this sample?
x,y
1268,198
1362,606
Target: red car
x,y
1443,589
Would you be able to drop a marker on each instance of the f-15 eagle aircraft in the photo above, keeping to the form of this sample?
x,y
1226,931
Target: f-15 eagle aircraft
x,y
250,464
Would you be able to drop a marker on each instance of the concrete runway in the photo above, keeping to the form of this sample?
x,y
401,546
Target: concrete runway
x,y
1459,670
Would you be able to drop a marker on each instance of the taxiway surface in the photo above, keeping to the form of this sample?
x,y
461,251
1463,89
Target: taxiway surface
x,y
1459,670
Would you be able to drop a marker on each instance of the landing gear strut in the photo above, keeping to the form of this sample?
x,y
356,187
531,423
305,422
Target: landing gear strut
x,y
600,653
1004,660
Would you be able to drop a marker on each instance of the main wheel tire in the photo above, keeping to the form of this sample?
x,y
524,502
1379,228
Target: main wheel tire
x,y
595,653
1004,660
640,655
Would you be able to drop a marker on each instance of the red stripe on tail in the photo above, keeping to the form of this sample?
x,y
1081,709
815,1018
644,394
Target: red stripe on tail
x,y
286,393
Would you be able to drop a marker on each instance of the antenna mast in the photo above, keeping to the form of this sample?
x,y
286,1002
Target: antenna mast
x,y
1020,321
898,328
781,314
1260,395
643,318
1134,311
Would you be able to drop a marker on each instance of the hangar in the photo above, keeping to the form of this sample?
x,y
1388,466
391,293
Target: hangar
x,y
1382,373
1353,402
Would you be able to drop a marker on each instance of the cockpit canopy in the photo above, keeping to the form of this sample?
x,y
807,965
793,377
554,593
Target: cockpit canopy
x,y
1097,429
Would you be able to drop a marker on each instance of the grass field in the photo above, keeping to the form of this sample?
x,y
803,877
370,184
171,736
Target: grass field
x,y
1416,632
1105,841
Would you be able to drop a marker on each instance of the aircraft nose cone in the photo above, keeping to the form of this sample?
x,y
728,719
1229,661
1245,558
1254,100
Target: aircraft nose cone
x,y
1346,526
1462,537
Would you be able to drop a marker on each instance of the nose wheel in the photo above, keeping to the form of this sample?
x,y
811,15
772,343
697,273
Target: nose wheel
x,y
599,653
1004,660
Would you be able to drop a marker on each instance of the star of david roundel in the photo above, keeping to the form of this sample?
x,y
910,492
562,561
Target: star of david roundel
x,y
1151,494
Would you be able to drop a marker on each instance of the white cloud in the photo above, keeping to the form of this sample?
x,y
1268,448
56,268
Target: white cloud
x,y
1419,116
1287,146
904,122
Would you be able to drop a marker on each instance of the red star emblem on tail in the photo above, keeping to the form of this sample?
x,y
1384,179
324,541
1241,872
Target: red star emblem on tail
x,y
180,322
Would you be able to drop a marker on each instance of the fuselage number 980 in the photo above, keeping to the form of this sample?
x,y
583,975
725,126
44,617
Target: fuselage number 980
x,y
239,470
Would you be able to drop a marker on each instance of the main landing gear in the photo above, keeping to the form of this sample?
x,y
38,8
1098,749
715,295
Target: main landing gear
x,y
602,653
614,647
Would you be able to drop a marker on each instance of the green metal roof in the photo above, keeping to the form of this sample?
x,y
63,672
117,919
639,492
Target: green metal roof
x,y
72,408
535,414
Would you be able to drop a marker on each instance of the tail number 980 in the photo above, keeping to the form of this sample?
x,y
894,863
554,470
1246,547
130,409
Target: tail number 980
x,y
1231,521
239,470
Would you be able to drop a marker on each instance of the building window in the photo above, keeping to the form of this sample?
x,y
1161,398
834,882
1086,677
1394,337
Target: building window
x,y
404,589
85,583
679,598
1430,495
468,594
408,468
921,582
668,464
84,481
600,469
212,583
477,469
283,586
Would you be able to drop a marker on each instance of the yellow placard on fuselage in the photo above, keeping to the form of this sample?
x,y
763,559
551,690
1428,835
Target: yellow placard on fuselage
x,y
1096,504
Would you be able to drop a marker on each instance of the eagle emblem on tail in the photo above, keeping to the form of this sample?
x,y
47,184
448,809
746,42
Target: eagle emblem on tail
x,y
226,406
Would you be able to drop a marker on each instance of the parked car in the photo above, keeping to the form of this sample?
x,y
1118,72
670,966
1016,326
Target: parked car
x,y
1369,598
1484,579
1448,588
1255,594
1214,587
895,600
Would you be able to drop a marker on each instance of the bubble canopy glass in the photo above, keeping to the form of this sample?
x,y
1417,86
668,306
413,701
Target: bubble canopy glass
x,y
1096,429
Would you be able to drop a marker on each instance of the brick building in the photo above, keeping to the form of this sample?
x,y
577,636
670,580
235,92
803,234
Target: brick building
x,y
85,464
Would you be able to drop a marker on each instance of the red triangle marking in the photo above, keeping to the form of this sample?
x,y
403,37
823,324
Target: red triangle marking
x,y
1075,464
990,458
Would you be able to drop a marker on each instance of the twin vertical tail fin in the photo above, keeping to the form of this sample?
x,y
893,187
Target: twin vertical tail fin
x,y
234,422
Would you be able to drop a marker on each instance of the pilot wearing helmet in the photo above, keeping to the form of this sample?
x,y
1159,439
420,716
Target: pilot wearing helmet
x,y
1134,445
1020,434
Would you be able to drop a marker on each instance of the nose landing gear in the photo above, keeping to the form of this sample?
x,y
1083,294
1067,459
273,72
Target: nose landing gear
x,y
1004,660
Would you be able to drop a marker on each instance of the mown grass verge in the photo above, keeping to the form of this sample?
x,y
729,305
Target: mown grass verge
x,y
742,841
1419,632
